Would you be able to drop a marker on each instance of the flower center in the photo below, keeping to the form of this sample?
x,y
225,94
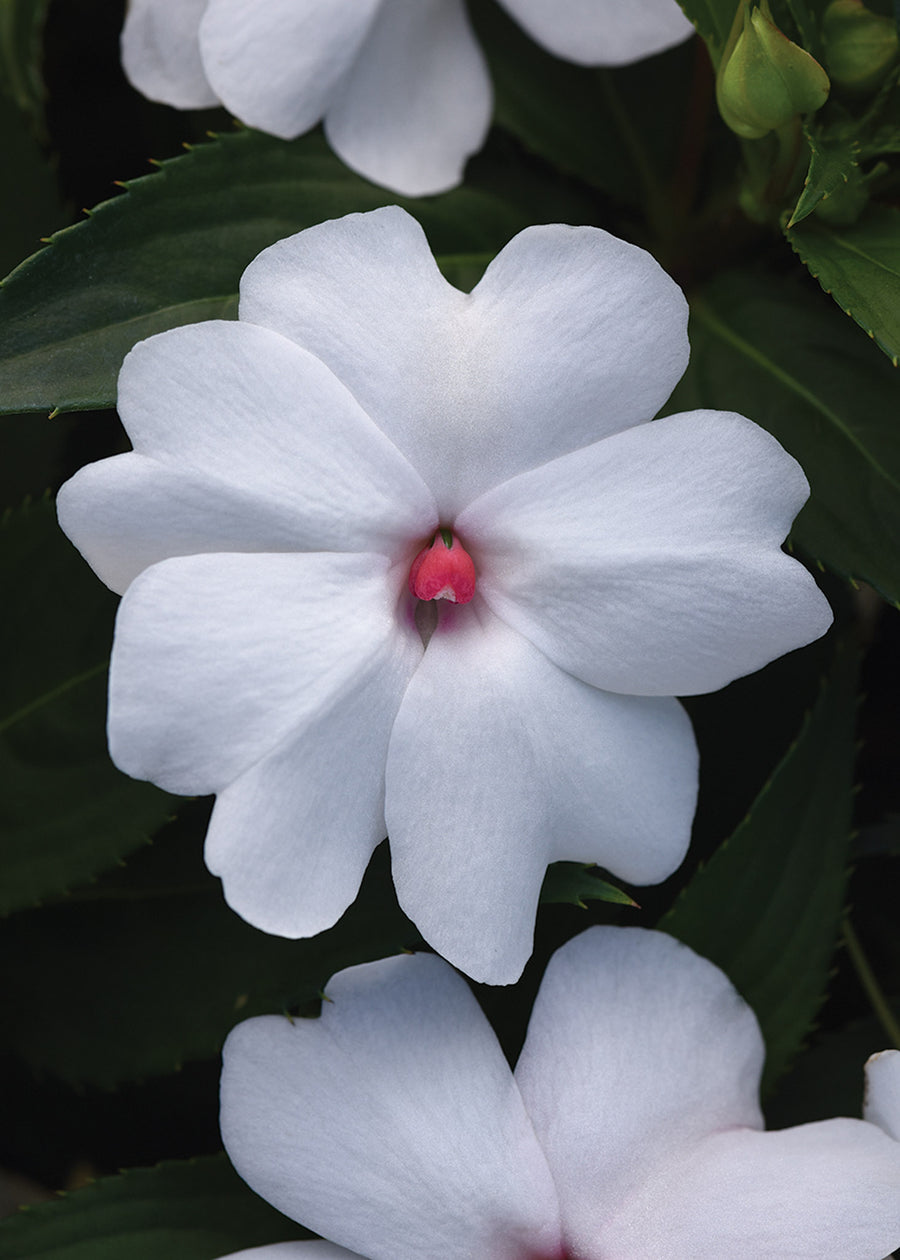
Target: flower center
x,y
443,570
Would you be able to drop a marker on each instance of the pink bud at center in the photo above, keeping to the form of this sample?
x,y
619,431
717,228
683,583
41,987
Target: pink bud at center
x,y
443,570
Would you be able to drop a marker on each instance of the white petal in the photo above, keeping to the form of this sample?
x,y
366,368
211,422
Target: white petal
x,y
883,1092
637,1048
499,763
602,32
219,659
364,295
242,442
312,1250
826,1191
571,335
417,102
391,1124
277,63
129,512
247,408
292,837
650,563
161,52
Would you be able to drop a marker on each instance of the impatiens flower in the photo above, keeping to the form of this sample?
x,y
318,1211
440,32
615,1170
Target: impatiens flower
x,y
370,461
631,1129
401,84
882,1105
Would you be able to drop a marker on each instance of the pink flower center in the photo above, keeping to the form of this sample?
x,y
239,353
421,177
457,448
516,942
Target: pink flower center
x,y
443,570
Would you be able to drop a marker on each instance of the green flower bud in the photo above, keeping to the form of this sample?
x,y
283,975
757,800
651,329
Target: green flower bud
x,y
859,45
764,79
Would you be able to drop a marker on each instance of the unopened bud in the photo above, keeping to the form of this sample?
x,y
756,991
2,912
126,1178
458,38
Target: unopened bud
x,y
765,79
859,45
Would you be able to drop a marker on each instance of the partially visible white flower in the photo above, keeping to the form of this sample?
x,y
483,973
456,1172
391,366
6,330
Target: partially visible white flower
x,y
313,1250
631,1129
882,1101
294,472
882,1105
401,84
603,32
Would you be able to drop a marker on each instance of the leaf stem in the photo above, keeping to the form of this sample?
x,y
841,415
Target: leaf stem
x,y
870,984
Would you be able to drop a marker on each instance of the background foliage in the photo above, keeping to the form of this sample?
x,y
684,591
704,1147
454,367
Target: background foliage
x,y
122,969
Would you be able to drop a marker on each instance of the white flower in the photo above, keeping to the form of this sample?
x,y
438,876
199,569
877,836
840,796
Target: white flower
x,y
401,84
883,1092
631,1129
287,470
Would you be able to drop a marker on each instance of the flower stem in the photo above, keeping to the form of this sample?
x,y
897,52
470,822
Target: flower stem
x,y
873,989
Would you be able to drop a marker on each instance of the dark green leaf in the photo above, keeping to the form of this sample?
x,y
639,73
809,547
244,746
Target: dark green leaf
x,y
574,883
21,25
605,127
827,1080
195,1210
767,906
171,251
65,811
768,349
832,166
859,265
30,209
150,968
